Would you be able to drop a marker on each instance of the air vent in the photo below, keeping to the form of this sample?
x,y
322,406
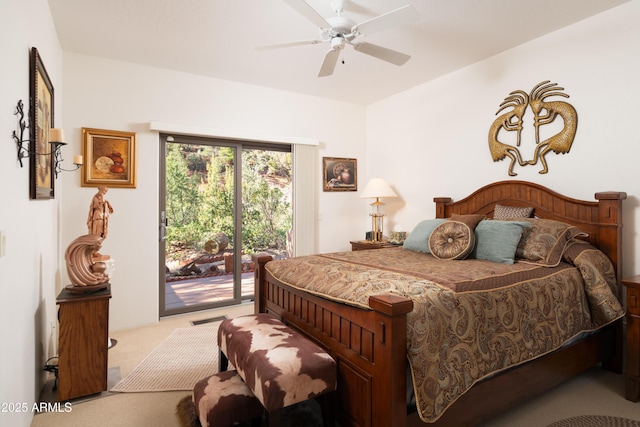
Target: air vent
x,y
209,320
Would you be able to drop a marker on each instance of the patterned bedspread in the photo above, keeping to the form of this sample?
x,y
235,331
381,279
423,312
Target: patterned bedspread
x,y
471,318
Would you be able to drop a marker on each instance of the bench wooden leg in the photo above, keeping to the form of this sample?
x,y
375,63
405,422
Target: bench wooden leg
x,y
273,418
327,404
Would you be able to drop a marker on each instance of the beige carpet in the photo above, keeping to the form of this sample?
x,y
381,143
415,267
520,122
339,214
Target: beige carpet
x,y
181,360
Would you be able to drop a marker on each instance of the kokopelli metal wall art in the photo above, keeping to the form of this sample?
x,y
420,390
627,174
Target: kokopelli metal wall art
x,y
502,143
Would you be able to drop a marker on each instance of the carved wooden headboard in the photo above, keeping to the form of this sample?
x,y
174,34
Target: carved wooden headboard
x,y
601,219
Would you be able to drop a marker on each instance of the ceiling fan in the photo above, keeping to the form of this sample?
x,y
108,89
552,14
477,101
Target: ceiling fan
x,y
339,31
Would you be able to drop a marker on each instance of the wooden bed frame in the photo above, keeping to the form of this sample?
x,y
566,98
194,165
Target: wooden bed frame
x,y
370,345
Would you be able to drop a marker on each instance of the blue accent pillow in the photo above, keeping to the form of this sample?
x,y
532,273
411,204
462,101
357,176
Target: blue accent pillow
x,y
418,239
497,240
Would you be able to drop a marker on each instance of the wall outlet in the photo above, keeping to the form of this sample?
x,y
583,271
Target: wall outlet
x,y
53,340
3,243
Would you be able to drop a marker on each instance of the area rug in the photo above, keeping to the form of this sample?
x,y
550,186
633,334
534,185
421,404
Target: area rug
x,y
180,361
596,421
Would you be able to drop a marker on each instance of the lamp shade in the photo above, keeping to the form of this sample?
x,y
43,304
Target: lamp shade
x,y
377,187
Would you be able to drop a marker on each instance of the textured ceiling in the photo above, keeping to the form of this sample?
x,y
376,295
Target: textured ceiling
x,y
218,38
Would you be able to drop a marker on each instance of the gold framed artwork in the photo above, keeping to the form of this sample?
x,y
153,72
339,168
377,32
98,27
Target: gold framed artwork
x,y
110,158
339,174
41,171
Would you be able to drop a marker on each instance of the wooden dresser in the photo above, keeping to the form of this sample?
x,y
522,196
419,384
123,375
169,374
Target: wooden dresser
x,y
82,343
632,368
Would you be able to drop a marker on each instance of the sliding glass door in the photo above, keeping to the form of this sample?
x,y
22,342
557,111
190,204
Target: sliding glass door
x,y
220,202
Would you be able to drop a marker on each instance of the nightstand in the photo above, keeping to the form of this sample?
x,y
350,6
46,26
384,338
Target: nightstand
x,y
363,245
632,367
83,343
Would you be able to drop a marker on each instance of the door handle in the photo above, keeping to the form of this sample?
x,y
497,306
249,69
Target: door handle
x,y
163,226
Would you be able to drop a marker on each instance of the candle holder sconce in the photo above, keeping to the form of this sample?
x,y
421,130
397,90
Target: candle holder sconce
x,y
55,144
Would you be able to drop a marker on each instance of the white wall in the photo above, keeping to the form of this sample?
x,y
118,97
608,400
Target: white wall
x,y
114,95
28,270
439,130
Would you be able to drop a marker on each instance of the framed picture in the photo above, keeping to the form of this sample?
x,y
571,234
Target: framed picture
x,y
41,173
339,174
110,158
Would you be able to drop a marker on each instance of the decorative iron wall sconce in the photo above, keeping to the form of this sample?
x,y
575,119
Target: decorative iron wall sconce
x,y
55,143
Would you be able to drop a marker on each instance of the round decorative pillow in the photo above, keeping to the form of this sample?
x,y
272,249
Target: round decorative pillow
x,y
452,240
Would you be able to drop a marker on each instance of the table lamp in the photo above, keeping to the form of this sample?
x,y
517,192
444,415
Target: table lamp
x,y
377,188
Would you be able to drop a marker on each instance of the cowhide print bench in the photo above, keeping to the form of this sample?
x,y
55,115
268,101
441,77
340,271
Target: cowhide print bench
x,y
224,400
277,364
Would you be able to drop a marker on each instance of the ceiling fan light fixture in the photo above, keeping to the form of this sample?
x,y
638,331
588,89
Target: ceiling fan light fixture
x,y
337,43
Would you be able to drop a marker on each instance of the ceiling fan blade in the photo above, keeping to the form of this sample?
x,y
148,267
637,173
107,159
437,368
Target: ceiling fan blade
x,y
392,56
329,63
288,44
397,17
308,12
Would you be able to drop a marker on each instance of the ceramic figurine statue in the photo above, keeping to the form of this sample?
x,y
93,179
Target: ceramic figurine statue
x,y
83,268
85,265
99,211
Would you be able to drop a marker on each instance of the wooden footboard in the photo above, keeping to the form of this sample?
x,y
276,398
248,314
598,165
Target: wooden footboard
x,y
369,346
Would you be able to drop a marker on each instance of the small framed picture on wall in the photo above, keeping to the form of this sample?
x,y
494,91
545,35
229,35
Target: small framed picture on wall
x,y
339,174
110,157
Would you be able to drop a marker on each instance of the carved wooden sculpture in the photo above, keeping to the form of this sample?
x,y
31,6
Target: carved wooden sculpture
x,y
99,211
83,267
